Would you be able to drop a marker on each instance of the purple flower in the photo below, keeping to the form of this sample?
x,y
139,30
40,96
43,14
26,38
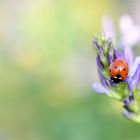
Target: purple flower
x,y
124,91
129,31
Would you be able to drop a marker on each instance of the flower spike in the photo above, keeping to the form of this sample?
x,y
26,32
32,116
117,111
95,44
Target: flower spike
x,y
125,90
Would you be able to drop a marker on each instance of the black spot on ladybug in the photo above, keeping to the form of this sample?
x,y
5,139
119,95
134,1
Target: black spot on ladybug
x,y
110,70
115,67
124,69
117,79
118,76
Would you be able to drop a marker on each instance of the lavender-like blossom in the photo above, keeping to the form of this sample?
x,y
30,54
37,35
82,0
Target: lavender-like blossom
x,y
129,31
127,91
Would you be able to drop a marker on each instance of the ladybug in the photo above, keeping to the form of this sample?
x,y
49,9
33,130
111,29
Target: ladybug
x,y
118,70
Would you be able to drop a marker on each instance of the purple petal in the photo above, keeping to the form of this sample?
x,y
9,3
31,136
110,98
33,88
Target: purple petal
x,y
134,79
99,63
128,114
126,106
135,65
103,80
98,88
127,101
128,55
116,54
108,27
131,116
101,51
96,45
131,97
109,41
110,59
122,56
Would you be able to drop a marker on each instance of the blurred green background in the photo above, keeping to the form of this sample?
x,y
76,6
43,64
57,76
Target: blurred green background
x,y
47,67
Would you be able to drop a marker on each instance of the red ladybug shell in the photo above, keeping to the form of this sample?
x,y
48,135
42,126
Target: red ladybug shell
x,y
118,70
